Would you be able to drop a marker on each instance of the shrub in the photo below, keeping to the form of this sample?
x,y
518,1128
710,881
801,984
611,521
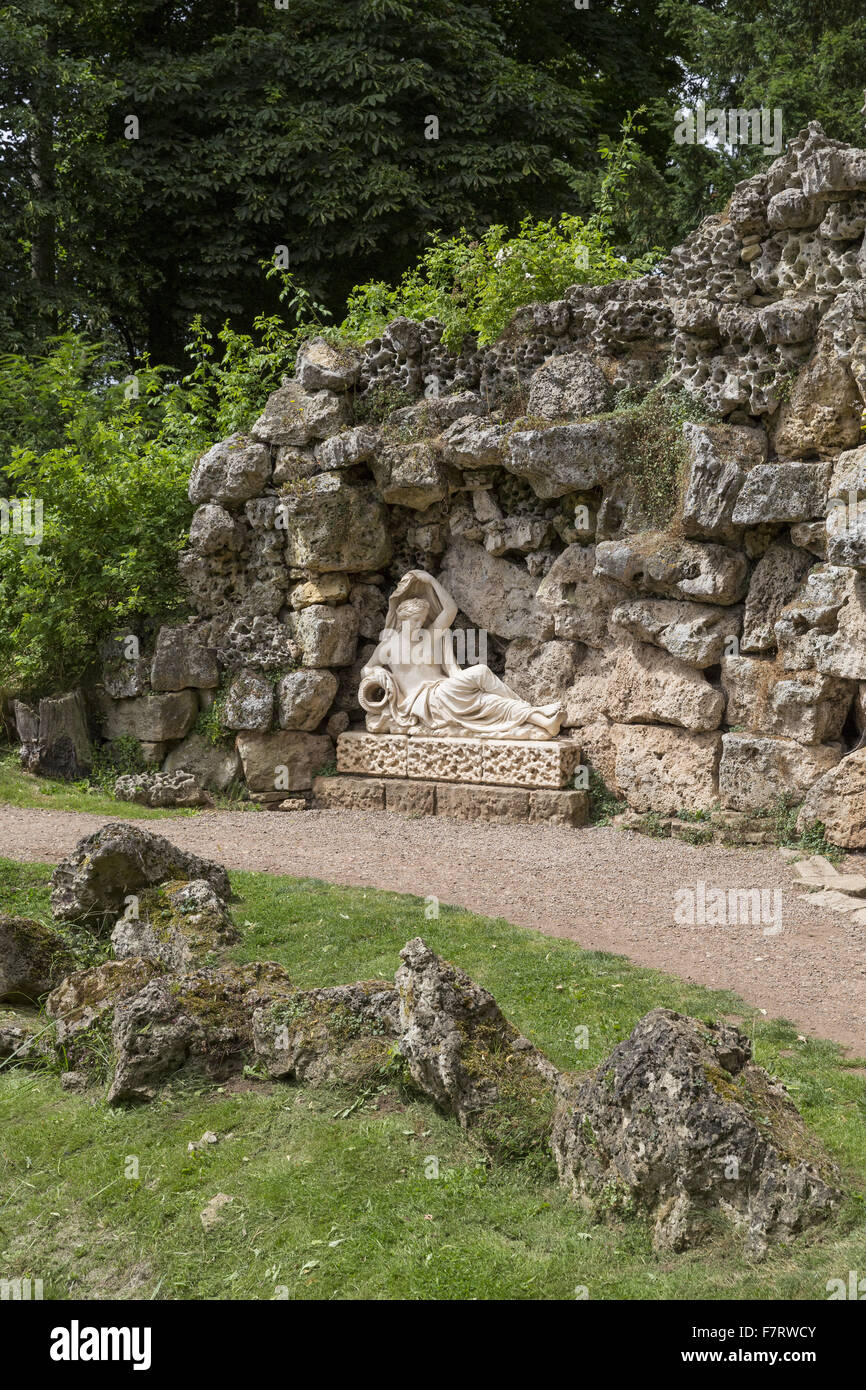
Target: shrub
x,y
111,473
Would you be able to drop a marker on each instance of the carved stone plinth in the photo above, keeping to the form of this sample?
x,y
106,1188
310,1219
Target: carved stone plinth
x,y
498,762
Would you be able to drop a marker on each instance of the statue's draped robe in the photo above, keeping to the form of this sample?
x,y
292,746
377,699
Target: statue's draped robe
x,y
473,701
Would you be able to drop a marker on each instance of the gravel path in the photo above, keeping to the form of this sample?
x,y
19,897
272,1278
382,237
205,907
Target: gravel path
x,y
606,889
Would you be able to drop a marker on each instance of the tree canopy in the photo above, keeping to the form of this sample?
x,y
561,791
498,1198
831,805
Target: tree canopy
x,y
154,152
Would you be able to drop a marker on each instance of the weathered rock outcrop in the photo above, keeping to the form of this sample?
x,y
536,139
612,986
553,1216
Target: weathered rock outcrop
x,y
179,925
92,884
32,959
680,1123
534,477
465,1055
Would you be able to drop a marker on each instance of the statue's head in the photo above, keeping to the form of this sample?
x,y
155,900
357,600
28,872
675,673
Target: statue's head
x,y
414,611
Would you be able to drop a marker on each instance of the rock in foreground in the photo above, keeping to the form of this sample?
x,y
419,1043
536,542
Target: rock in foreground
x,y
116,860
680,1123
464,1054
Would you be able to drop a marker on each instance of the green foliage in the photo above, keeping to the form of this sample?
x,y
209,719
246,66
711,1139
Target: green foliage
x,y
121,757
233,373
603,803
812,840
111,472
209,723
654,450
301,126
473,285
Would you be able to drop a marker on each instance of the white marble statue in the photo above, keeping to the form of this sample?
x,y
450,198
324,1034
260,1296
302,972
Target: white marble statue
x,y
414,685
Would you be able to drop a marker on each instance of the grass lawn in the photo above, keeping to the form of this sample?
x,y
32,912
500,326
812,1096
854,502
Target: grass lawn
x,y
330,1196
19,788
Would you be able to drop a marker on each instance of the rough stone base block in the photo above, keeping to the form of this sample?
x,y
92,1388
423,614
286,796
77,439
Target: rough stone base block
x,y
411,798
349,793
461,802
500,762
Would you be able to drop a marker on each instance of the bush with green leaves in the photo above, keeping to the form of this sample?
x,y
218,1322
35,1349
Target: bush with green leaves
x,y
110,467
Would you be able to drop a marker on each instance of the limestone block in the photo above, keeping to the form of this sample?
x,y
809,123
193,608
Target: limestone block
x,y
473,443
294,415
660,564
304,698
410,798
231,472
774,582
493,593
382,755
782,493
324,366
332,587
152,718
559,807
541,671
838,801
332,524
410,475
123,675
756,770
569,384
327,635
212,765
696,633
568,458
578,598
181,660
822,412
518,764
823,628
719,460
349,793
349,448
765,698
648,685
282,762
666,769
250,702
845,527
495,804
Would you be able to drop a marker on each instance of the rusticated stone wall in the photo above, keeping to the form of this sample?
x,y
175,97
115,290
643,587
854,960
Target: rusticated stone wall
x,y
718,660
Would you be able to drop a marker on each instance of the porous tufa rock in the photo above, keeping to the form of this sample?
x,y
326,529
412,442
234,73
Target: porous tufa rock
x,y
678,1122
93,882
463,1053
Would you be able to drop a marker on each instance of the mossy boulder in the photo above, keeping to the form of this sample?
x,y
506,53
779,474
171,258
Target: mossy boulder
x,y
180,925
203,1019
23,1036
117,861
340,1034
680,1123
83,1004
32,959
463,1053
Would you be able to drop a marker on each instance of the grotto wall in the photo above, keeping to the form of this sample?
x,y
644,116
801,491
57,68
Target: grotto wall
x,y
695,597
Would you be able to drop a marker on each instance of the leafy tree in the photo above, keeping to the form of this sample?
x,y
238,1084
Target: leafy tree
x,y
110,472
808,60
304,126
